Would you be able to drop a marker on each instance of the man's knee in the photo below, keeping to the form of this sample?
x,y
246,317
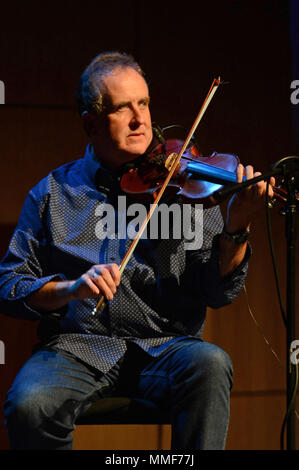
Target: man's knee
x,y
25,406
205,360
215,360
34,421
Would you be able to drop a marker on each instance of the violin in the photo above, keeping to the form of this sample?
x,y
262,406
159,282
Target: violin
x,y
196,178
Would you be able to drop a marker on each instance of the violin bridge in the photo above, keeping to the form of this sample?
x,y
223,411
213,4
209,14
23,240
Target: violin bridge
x,y
170,160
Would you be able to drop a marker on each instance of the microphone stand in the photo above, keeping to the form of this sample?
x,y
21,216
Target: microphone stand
x,y
288,167
290,171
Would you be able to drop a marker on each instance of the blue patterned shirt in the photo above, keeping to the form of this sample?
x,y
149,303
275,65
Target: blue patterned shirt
x,y
164,290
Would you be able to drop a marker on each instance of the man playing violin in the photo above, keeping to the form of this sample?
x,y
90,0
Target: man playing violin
x,y
146,343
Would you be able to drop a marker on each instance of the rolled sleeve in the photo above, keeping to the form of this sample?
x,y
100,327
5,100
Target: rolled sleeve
x,y
220,290
23,270
213,289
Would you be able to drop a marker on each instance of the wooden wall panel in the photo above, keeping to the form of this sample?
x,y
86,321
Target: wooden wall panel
x,y
34,141
44,48
122,437
256,421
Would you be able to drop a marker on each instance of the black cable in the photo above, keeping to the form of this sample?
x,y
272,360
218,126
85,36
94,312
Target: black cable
x,y
294,393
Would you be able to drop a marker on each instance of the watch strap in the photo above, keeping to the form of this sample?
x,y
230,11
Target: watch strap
x,y
238,237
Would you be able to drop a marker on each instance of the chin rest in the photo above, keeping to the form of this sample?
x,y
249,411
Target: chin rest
x,y
123,410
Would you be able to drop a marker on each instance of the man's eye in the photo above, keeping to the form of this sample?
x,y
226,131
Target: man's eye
x,y
144,103
121,107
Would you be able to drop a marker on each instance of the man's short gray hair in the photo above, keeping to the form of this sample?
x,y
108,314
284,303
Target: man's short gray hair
x,y
88,94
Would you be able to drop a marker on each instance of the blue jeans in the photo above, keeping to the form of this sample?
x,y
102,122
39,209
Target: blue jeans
x,y
193,378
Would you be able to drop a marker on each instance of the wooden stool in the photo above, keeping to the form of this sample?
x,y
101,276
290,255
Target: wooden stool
x,y
124,411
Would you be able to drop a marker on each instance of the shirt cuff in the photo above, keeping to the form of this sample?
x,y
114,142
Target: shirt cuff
x,y
36,285
222,290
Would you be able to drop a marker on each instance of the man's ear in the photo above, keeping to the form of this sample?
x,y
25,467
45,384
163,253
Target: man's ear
x,y
89,123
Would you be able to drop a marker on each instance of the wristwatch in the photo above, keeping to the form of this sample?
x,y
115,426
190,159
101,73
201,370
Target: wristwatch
x,y
236,237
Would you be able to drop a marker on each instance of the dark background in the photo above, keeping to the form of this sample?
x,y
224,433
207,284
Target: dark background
x,y
254,47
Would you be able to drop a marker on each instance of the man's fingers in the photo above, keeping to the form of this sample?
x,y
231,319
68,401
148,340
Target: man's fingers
x,y
105,287
114,271
240,173
92,286
249,172
260,186
106,278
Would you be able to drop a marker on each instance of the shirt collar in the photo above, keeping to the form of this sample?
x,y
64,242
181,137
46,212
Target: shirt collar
x,y
90,165
95,173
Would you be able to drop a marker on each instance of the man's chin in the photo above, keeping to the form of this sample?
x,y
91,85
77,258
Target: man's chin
x,y
134,151
137,145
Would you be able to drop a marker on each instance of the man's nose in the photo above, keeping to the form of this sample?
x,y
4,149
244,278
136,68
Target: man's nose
x,y
137,117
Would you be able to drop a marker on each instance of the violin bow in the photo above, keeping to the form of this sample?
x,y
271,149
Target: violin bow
x,y
215,84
